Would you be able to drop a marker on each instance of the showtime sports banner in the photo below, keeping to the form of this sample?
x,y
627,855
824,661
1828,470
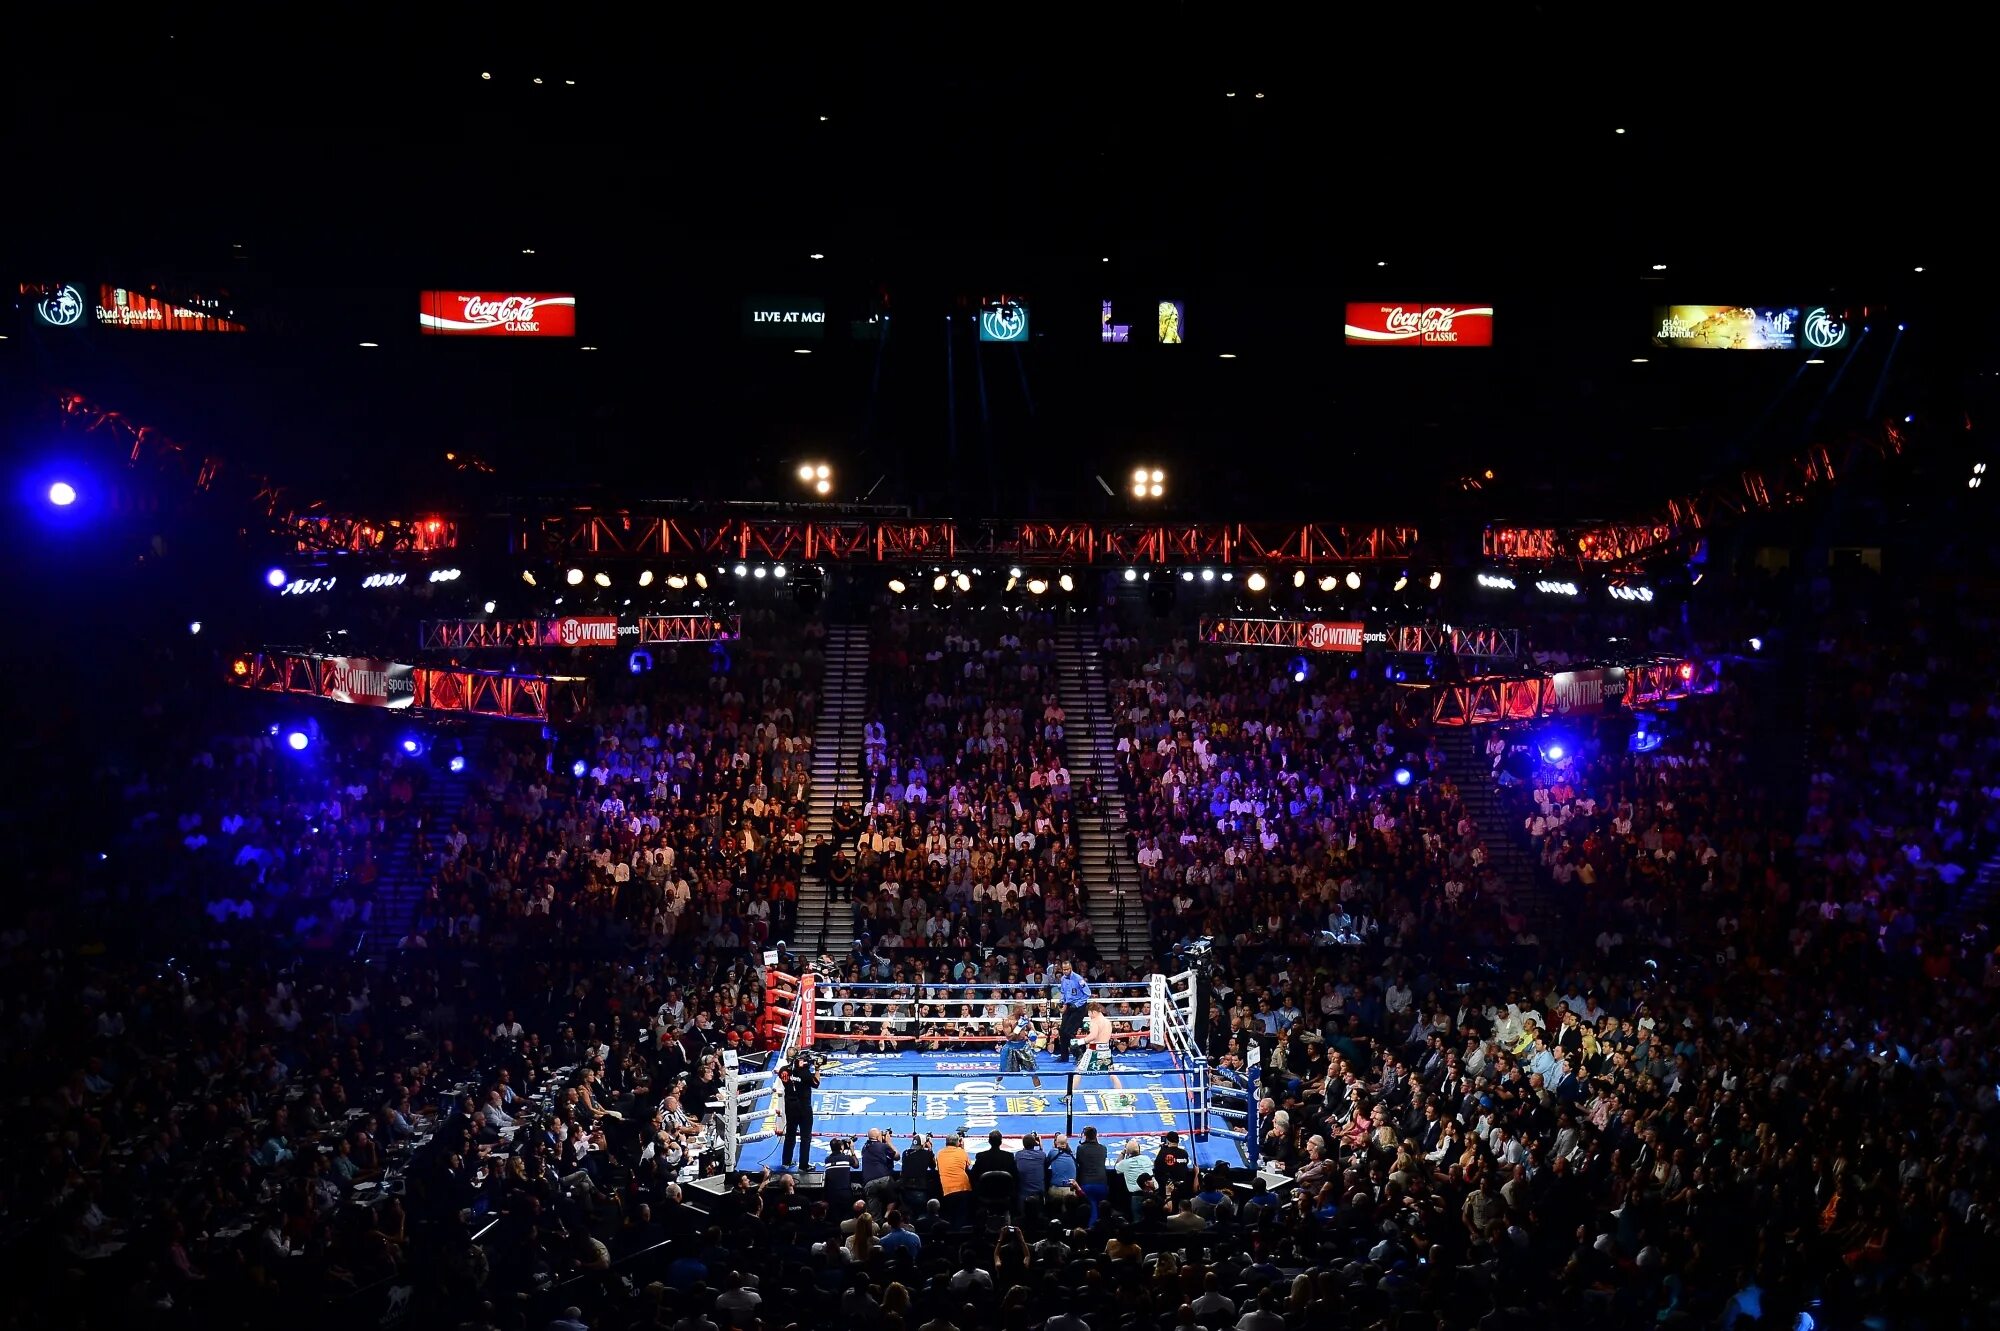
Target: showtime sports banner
x,y
583,631
498,314
1373,325
1327,635
1577,691
367,683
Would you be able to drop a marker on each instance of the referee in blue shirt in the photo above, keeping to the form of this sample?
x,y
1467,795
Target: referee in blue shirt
x,y
1075,993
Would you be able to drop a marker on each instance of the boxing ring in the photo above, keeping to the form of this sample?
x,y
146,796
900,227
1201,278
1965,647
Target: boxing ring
x,y
927,1060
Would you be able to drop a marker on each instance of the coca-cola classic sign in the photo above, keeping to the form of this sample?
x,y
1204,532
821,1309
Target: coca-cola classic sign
x,y
498,313
1370,324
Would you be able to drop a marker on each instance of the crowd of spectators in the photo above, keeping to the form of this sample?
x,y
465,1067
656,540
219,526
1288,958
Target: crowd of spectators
x,y
964,835
264,836
1751,1080
1268,809
676,817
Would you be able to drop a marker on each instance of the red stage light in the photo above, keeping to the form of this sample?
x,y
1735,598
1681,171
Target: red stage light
x,y
240,666
1687,670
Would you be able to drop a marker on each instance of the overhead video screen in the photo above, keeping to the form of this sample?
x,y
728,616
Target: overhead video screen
x,y
1003,320
1173,322
1726,327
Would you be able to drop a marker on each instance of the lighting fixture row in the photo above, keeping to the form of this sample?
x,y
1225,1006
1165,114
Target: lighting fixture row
x,y
575,577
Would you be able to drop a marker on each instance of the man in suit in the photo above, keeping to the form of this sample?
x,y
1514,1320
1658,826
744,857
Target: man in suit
x,y
1031,1163
800,1081
1092,1175
995,1159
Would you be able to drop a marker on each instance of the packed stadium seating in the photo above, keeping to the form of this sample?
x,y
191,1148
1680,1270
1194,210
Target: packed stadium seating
x,y
1747,1076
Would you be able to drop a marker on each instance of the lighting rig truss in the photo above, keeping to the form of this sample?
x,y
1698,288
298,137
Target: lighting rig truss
x,y
895,540
488,693
1489,699
1684,518
324,533
451,635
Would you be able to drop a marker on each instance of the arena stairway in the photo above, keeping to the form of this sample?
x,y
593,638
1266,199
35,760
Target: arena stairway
x,y
1506,840
1110,877
1971,908
836,775
405,877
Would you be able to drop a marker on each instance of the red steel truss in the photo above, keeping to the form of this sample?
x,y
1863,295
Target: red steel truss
x,y
1291,634
689,628
484,693
323,533
1494,644
1487,699
454,635
451,635
1683,518
898,540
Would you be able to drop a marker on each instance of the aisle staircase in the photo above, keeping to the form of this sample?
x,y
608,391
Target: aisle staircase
x,y
405,877
1110,878
1506,840
826,925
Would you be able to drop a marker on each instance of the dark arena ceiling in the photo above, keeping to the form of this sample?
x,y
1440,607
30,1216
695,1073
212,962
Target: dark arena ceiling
x,y
319,179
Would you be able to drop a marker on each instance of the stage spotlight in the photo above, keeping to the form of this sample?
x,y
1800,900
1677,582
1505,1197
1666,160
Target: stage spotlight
x,y
528,576
1131,575
1756,644
1255,582
701,581
1208,575
1687,671
823,487
1013,572
297,741
778,570
938,583
275,578
1298,677
898,586
1038,585
1437,581
578,768
602,579
805,471
1298,577
1187,575
1066,582
1402,581
1354,582
574,577
457,763
1554,752
1328,582
760,572
194,626
1227,576
490,605
963,582
62,494
645,577
740,569
677,580
1402,776
411,746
